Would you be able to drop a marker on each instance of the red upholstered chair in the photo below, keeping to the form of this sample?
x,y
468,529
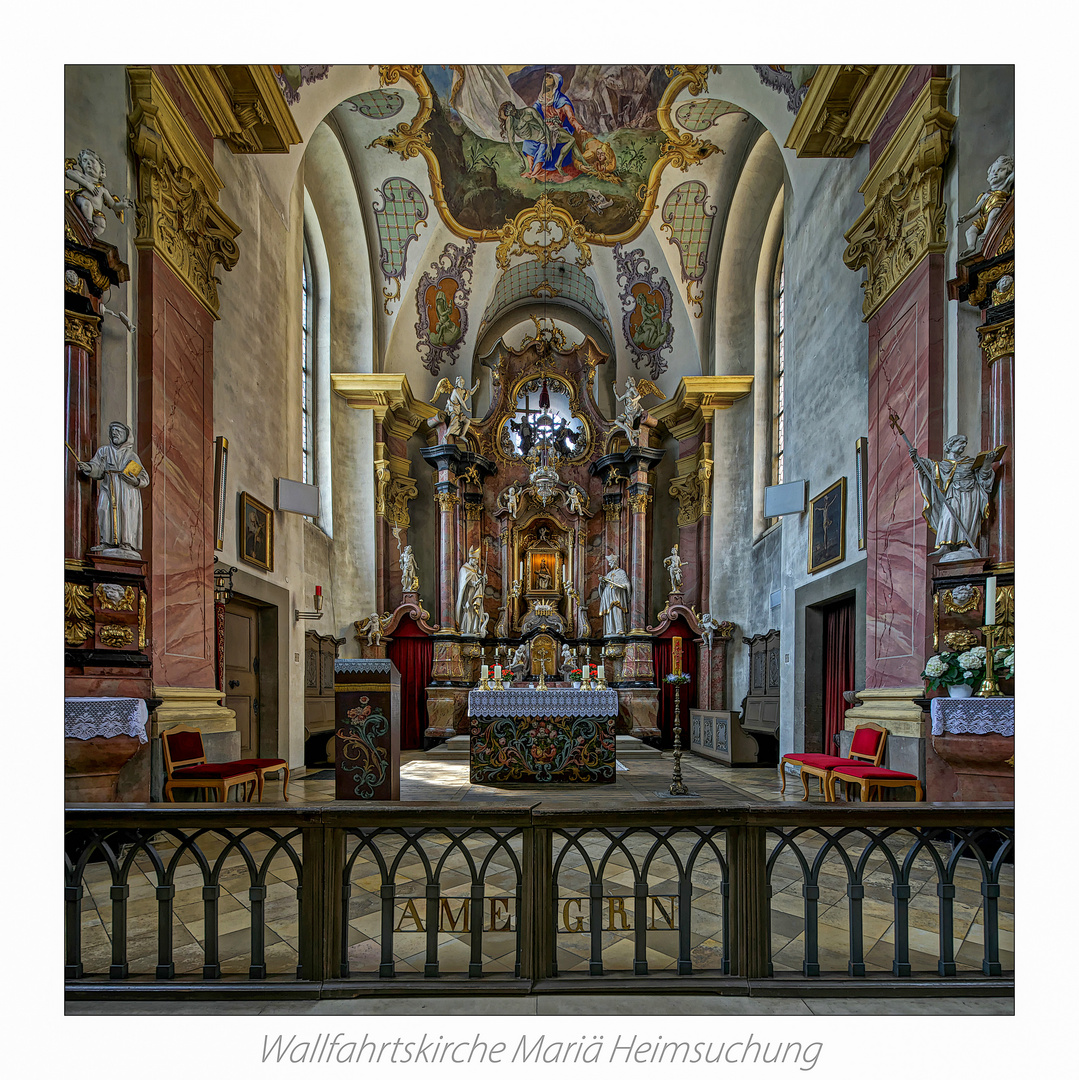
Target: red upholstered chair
x,y
264,765
870,780
186,766
866,748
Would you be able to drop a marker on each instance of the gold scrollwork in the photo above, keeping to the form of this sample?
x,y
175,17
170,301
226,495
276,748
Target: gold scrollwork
x,y
142,620
539,219
1008,243
961,640
119,600
401,490
89,263
116,637
612,511
998,340
638,501
78,614
990,279
446,500
1005,615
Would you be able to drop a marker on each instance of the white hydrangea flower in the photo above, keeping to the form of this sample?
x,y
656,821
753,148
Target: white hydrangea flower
x,y
935,667
969,661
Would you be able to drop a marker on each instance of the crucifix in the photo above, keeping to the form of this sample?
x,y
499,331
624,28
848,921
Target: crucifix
x,y
527,440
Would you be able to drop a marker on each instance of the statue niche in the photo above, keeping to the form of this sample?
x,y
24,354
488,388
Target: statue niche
x,y
544,568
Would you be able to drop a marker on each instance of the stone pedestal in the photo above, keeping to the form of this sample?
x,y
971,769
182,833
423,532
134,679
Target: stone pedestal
x,y
367,696
447,712
638,712
971,768
106,770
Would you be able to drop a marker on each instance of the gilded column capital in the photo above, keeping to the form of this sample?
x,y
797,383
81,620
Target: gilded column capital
x,y
693,486
904,211
177,215
446,500
82,331
638,500
998,339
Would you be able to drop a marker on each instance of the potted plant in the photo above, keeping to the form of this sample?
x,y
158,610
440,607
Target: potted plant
x,y
574,676
678,678
959,672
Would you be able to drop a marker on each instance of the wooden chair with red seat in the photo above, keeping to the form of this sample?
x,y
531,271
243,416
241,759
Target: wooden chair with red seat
x,y
866,748
262,766
186,766
870,780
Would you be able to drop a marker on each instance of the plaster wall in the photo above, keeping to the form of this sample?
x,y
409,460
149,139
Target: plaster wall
x,y
96,105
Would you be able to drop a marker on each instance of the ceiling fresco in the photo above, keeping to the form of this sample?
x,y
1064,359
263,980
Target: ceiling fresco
x,y
593,139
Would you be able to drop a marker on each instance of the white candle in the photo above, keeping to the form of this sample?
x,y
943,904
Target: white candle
x,y
991,601
498,672
483,673
599,673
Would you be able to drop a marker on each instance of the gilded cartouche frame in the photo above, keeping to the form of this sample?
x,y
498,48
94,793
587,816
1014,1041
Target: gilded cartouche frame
x,y
835,493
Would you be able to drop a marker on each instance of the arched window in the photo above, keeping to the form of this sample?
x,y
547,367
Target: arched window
x,y
307,378
778,359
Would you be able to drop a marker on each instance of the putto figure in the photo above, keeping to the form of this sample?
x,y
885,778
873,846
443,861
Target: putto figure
x,y
91,197
614,598
1001,181
372,627
121,476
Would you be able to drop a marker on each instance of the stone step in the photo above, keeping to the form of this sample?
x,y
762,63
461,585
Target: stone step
x,y
456,748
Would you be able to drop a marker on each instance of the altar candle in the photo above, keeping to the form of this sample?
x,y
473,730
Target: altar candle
x,y
521,570
599,673
991,601
498,672
483,673
318,590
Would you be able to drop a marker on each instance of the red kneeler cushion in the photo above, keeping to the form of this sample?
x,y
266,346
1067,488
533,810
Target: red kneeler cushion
x,y
871,772
218,770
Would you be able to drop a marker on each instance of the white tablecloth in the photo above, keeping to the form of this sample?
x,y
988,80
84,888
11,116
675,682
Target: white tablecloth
x,y
555,702
973,716
104,717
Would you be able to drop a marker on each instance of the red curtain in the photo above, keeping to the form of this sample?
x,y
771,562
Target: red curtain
x,y
838,668
661,659
412,652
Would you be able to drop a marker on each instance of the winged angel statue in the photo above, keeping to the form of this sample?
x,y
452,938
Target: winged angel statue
x,y
458,416
631,418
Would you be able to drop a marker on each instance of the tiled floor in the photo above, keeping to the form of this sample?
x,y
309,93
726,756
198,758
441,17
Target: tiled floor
x,y
645,778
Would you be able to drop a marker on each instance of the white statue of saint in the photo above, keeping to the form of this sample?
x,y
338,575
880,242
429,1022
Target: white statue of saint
x,y
614,598
674,567
121,477
1001,181
957,491
410,581
458,415
512,499
520,660
470,583
91,197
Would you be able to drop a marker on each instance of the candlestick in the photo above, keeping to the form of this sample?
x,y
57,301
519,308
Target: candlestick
x,y
677,786
989,686
990,601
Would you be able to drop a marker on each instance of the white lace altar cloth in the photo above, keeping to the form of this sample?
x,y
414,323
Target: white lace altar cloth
x,y
104,717
973,716
555,702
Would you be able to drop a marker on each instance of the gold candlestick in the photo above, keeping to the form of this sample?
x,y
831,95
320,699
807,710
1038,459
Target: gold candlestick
x,y
543,672
989,686
677,786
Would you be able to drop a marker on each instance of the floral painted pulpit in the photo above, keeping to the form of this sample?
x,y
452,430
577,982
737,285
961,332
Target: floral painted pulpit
x,y
539,736
367,703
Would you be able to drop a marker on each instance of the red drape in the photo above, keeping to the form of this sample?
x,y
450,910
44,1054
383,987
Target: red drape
x,y
661,659
412,652
838,668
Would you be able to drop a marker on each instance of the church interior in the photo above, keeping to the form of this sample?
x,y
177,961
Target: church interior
x,y
525,450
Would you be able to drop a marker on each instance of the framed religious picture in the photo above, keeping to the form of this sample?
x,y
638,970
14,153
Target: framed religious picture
x,y
256,532
543,572
827,526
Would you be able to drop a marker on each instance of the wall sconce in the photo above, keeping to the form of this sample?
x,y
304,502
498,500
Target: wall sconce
x,y
317,613
223,583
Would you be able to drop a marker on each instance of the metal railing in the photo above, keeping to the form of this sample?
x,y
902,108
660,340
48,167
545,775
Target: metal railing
x,y
344,898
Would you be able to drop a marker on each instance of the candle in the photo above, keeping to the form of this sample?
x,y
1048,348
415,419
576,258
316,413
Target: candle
x,y
521,570
483,673
599,673
318,590
991,601
498,672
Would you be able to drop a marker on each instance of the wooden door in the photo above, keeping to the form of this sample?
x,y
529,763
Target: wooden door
x,y
242,672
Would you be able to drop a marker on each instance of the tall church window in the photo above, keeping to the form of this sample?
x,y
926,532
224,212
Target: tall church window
x,y
307,380
778,363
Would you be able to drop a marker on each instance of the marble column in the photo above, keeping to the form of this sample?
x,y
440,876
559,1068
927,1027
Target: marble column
x,y
998,341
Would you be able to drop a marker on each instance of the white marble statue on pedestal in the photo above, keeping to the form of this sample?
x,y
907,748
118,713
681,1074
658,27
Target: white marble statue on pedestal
x,y
410,581
458,416
1001,181
709,624
470,583
614,598
91,197
674,568
121,477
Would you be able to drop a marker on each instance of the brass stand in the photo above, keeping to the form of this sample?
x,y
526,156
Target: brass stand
x,y
677,787
543,672
989,683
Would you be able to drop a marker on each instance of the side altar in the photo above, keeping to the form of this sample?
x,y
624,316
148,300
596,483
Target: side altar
x,y
534,736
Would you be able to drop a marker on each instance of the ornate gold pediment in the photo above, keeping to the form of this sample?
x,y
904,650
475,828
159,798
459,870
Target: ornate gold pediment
x,y
904,213
843,107
177,215
243,105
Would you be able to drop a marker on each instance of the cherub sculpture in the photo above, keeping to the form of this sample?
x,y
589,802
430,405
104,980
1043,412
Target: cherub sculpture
x,y
1001,180
709,624
91,197
372,627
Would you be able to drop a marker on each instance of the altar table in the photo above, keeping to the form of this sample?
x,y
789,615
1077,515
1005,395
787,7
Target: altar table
x,y
536,736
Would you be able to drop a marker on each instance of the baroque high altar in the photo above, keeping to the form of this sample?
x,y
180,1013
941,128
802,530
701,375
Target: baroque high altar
x,y
547,516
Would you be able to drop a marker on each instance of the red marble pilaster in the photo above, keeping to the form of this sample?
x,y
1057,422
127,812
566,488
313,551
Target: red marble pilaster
x,y
175,441
447,548
80,422
906,362
1000,425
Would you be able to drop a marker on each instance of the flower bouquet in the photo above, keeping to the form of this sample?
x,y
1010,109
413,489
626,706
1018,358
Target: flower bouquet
x,y
678,679
1004,661
574,676
958,669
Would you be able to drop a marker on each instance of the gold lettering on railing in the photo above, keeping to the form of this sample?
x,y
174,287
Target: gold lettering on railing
x,y
618,917
565,916
455,921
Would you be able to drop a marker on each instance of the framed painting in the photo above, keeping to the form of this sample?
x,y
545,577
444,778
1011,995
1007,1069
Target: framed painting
x,y
256,532
827,526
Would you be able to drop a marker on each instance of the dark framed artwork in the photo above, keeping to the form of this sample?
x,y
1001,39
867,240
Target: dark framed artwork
x,y
861,481
827,526
221,468
256,532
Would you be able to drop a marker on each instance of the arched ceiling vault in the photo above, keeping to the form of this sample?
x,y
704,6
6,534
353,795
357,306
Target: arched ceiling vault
x,y
479,186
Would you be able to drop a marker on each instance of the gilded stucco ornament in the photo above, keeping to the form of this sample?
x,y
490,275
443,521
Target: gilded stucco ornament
x,y
78,614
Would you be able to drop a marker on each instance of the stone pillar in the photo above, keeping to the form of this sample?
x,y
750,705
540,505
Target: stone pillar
x,y
182,239
900,239
998,341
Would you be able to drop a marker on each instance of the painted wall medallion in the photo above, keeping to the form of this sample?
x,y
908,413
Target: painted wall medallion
x,y
402,211
442,303
376,104
700,115
646,309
